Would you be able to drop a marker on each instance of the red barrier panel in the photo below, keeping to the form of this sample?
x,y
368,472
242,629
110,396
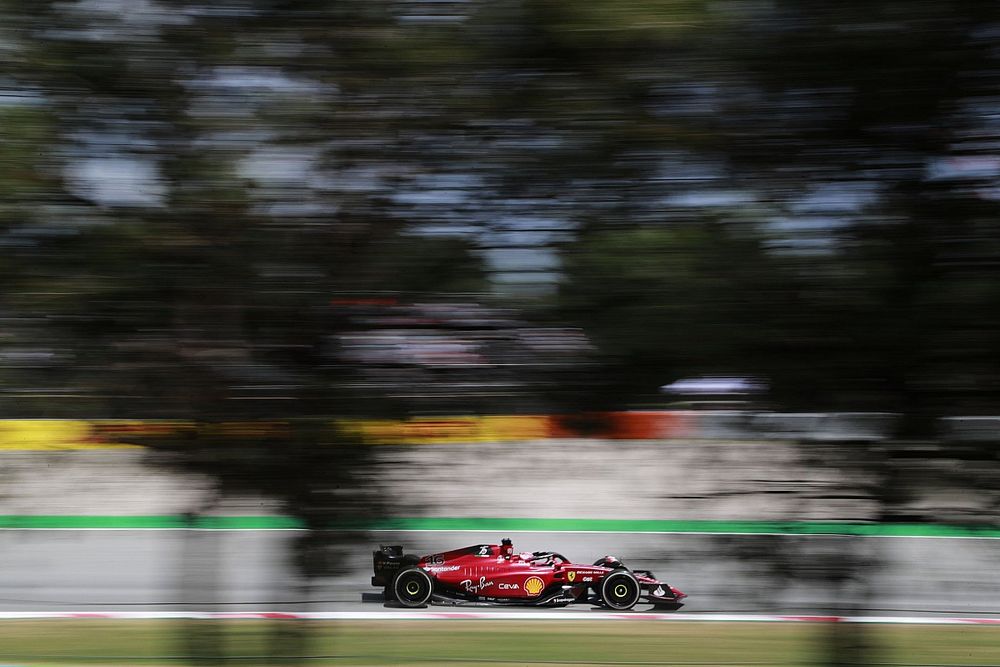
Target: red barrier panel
x,y
630,425
649,425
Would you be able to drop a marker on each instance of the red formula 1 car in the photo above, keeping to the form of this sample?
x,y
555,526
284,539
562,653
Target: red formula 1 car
x,y
492,574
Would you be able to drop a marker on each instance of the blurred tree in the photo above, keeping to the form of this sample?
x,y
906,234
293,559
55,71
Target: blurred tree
x,y
855,139
872,102
191,181
671,301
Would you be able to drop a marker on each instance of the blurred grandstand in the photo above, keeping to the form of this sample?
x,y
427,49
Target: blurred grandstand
x,y
455,354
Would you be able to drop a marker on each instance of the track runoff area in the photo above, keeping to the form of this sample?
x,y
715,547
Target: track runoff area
x,y
556,530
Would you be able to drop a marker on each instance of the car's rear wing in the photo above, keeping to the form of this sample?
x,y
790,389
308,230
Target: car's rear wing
x,y
386,562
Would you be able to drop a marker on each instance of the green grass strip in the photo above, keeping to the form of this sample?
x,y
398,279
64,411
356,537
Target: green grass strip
x,y
484,643
53,522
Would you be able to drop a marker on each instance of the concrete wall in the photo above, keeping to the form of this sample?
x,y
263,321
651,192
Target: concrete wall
x,y
722,480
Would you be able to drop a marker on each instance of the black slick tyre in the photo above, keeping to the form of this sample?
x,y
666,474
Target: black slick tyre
x,y
620,590
412,587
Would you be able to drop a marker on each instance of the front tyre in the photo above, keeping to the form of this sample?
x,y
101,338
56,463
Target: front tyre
x,y
620,590
413,587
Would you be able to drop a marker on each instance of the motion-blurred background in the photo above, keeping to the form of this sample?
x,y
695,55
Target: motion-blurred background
x,y
296,228
278,207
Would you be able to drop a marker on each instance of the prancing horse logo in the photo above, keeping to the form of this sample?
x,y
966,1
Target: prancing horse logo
x,y
571,575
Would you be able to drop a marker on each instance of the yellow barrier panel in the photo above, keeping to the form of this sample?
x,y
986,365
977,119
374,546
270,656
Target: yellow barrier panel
x,y
445,430
419,431
51,434
515,427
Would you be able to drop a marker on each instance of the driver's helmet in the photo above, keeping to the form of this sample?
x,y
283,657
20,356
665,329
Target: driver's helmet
x,y
506,548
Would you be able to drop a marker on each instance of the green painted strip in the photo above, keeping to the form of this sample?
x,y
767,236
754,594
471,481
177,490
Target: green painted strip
x,y
500,525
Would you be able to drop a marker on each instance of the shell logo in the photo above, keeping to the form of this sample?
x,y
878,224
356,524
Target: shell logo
x,y
533,585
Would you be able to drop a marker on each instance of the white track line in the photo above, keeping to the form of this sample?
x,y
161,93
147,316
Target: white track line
x,y
429,615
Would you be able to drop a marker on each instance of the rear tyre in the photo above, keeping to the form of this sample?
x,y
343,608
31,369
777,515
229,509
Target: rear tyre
x,y
412,587
620,590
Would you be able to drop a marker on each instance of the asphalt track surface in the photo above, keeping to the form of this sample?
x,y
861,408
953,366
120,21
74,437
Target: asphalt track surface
x,y
171,571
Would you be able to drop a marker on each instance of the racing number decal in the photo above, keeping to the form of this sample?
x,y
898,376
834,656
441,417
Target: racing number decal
x,y
533,585
484,550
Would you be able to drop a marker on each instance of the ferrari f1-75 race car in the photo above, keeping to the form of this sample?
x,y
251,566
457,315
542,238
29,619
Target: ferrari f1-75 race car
x,y
492,574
